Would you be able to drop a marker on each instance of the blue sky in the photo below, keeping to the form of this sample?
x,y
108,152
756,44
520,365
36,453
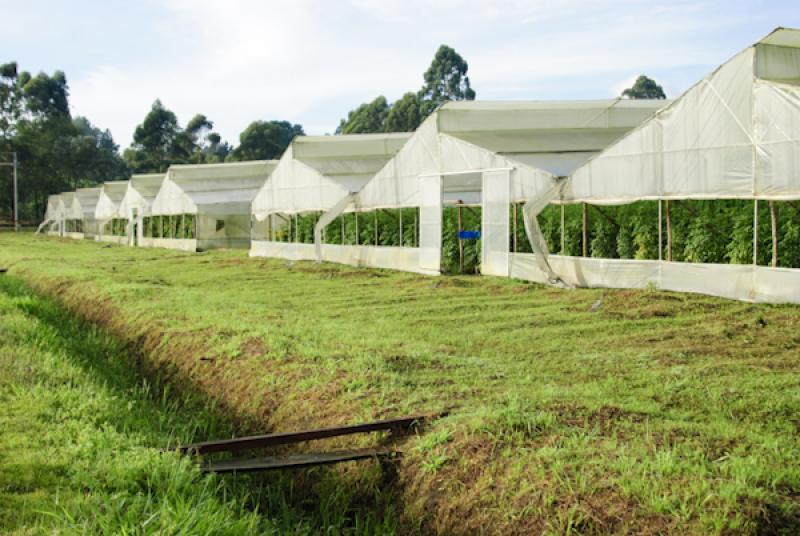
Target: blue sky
x,y
310,61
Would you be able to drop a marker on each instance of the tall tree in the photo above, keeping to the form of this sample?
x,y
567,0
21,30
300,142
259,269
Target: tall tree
x,y
644,88
369,117
445,80
156,142
55,151
264,140
405,115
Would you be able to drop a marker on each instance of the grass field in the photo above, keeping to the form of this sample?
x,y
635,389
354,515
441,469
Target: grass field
x,y
584,411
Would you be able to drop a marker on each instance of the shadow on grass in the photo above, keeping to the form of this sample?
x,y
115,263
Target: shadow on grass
x,y
315,500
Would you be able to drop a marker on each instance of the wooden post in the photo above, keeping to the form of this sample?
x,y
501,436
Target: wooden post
x,y
585,239
375,223
357,237
669,231
660,236
341,216
755,232
414,240
514,240
402,238
563,241
773,215
460,241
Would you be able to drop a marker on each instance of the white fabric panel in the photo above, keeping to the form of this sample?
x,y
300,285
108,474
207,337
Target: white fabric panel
x,y
171,200
397,183
778,133
111,194
54,208
740,282
140,194
394,258
87,198
182,244
495,223
430,224
778,63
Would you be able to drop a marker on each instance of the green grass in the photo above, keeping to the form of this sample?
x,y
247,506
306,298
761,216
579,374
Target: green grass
x,y
584,411
82,437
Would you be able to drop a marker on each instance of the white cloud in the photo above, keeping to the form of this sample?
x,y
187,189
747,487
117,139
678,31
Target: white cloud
x,y
311,61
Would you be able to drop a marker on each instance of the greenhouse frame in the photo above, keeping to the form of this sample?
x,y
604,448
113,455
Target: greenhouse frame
x,y
140,193
206,206
314,174
735,135
53,219
110,227
482,153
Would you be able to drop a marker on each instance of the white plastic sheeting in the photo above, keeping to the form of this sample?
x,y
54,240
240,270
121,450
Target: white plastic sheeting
x,y
111,195
140,193
734,134
316,172
211,188
735,281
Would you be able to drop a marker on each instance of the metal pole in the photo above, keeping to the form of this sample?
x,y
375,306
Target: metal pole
x,y
773,215
585,237
514,241
755,232
357,237
402,239
562,230
16,196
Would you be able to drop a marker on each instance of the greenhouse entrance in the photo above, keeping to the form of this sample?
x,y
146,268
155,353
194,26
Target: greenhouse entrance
x,y
461,223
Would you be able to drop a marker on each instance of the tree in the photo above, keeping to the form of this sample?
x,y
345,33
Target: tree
x,y
56,152
369,117
405,114
156,141
445,80
264,140
644,88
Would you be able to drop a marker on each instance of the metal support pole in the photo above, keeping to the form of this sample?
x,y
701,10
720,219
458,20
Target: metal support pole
x,y
660,232
16,195
514,240
585,238
563,241
357,237
342,219
773,216
375,224
402,238
460,242
414,235
755,232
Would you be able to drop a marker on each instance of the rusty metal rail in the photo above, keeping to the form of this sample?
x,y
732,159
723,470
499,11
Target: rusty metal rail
x,y
268,463
404,424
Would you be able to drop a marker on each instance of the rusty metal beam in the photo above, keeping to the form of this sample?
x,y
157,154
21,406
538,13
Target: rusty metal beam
x,y
295,461
286,438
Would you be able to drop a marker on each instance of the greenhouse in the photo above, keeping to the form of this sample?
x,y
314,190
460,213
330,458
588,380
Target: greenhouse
x,y
77,212
52,223
315,174
706,192
453,184
140,193
205,206
110,227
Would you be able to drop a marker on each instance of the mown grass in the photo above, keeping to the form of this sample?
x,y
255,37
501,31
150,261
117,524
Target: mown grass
x,y
584,411
81,447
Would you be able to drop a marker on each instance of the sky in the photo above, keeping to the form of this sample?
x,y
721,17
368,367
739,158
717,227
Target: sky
x,y
311,61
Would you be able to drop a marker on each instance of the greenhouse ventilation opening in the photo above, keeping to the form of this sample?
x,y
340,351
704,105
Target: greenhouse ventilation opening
x,y
731,143
206,206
